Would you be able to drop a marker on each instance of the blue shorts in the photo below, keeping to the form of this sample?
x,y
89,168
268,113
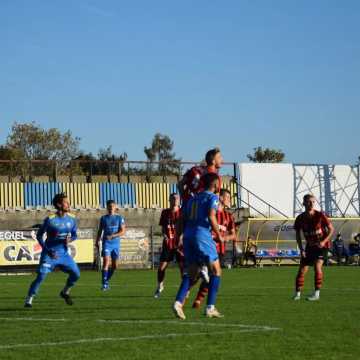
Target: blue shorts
x,y
199,251
64,262
111,248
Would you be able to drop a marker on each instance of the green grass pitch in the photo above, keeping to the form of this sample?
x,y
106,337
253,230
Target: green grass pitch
x,y
261,321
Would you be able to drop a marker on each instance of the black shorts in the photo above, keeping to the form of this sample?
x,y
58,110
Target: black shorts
x,y
314,254
169,255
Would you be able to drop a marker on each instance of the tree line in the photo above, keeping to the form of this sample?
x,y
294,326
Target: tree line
x,y
28,142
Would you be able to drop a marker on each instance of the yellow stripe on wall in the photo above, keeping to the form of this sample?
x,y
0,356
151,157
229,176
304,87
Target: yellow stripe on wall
x,y
82,194
11,195
149,195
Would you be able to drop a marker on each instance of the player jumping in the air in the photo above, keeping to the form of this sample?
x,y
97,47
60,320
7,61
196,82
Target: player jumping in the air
x,y
192,182
199,246
111,227
317,230
227,229
60,229
171,248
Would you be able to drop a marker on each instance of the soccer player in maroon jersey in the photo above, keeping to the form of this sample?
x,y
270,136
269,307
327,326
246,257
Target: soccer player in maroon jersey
x,y
171,247
317,230
192,182
226,225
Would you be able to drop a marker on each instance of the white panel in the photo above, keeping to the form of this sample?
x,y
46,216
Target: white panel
x,y
308,181
344,188
272,183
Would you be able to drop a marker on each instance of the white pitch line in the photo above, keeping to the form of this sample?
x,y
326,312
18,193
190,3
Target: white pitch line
x,y
134,338
32,319
193,323
170,322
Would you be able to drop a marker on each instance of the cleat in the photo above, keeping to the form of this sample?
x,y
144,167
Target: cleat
x,y
196,304
296,297
158,291
105,287
66,297
313,298
28,302
204,274
213,313
178,310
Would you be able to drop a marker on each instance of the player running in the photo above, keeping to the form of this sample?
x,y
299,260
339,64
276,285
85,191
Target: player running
x,y
317,230
192,182
226,224
171,248
111,228
199,246
60,229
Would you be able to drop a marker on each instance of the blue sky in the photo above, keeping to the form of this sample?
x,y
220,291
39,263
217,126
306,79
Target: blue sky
x,y
233,73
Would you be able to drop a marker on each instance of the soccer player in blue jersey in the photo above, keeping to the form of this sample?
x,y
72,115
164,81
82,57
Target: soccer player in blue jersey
x,y
199,246
111,227
60,229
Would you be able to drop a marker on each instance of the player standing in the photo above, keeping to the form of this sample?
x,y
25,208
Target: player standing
x,y
199,246
226,224
111,227
60,229
171,249
317,230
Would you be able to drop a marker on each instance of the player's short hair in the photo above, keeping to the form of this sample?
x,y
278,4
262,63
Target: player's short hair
x,y
224,191
307,197
210,180
110,202
210,155
173,195
58,198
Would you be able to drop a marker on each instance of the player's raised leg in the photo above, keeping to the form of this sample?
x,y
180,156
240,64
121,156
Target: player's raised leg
x,y
69,266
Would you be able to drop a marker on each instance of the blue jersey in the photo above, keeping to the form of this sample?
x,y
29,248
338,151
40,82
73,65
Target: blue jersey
x,y
197,210
111,224
57,229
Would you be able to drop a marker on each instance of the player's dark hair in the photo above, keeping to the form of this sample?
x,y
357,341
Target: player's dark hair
x,y
58,198
307,197
224,191
110,202
210,155
173,195
210,179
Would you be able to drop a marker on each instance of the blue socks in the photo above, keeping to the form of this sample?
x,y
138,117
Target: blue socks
x,y
184,288
105,274
213,289
110,274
